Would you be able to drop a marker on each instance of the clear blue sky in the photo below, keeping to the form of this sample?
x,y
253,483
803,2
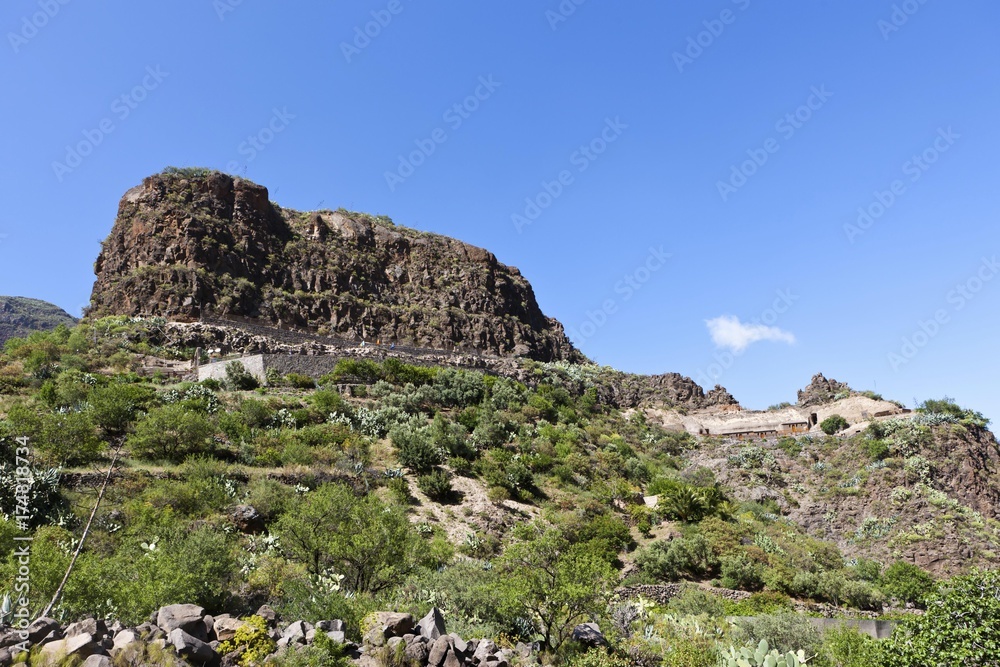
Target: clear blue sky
x,y
666,121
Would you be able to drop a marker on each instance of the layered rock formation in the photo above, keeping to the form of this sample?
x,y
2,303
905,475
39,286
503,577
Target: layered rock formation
x,y
188,244
821,390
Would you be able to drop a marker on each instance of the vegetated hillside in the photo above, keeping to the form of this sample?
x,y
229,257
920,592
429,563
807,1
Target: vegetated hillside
x,y
190,242
491,498
19,316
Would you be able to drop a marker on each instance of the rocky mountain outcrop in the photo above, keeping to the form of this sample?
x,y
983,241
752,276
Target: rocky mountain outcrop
x,y
820,390
20,316
625,390
189,243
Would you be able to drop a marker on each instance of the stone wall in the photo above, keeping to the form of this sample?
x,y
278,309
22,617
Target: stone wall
x,y
217,370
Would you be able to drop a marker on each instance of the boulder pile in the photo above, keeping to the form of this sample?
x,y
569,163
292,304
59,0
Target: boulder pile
x,y
200,639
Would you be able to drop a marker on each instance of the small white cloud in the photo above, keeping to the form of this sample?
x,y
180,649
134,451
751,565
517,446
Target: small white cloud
x,y
727,331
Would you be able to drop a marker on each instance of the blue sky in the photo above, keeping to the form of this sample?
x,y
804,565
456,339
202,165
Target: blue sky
x,y
651,168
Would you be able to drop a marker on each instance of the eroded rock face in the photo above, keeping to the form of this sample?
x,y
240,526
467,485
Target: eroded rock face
x,y
820,390
182,247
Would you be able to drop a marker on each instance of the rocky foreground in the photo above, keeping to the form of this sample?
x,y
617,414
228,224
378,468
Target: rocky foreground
x,y
198,638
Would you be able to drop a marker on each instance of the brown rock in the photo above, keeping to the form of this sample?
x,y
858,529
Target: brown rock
x,y
185,246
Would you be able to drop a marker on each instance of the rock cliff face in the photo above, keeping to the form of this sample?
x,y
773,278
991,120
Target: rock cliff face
x,y
820,390
20,316
190,244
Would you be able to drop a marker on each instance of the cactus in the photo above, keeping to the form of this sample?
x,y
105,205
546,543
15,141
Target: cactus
x,y
763,656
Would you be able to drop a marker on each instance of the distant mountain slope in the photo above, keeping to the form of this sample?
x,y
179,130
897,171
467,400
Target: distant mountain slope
x,y
190,242
19,316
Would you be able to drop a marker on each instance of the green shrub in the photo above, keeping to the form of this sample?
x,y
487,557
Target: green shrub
x,y
437,485
414,449
907,582
299,381
876,449
171,433
680,558
742,573
331,529
116,406
238,378
845,646
960,626
323,652
947,406
784,632
694,601
253,639
833,424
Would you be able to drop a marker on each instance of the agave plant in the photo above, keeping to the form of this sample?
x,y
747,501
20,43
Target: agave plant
x,y
6,610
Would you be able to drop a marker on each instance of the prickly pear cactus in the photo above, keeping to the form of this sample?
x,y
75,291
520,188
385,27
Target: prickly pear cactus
x,y
764,656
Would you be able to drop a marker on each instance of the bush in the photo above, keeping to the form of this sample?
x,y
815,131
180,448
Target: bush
x,y
171,433
253,639
238,378
784,632
907,583
299,381
948,406
876,449
115,406
847,647
681,558
960,626
833,424
414,449
331,529
693,601
436,485
741,573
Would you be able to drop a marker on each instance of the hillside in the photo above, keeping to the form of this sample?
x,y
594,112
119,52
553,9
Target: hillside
x,y
20,316
277,485
188,243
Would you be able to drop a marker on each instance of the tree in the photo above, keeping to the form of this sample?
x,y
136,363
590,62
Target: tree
x,y
369,542
907,582
833,424
960,626
172,432
554,584
239,378
115,406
